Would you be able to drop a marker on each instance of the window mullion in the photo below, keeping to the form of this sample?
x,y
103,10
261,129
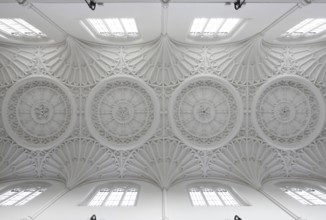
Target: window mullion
x,y
203,195
107,196
123,27
9,197
219,196
303,198
222,23
204,27
123,196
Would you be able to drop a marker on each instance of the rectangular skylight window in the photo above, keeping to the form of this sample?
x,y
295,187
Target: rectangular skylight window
x,y
228,25
197,197
113,27
306,28
306,196
116,196
198,25
20,196
19,28
129,198
129,25
213,27
208,196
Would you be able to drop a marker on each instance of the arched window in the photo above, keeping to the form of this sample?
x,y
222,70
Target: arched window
x,y
21,194
119,194
212,195
306,195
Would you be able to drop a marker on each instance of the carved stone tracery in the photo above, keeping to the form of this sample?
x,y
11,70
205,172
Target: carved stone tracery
x,y
288,112
206,112
164,65
122,112
38,112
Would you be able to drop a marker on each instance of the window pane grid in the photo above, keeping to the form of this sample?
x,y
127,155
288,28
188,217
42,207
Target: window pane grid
x,y
19,28
227,198
212,198
213,27
207,196
197,197
99,198
29,198
310,197
130,198
114,27
20,196
296,197
317,193
8,194
14,199
116,196
306,196
308,27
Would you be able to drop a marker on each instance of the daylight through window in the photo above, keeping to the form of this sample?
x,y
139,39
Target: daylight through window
x,y
112,27
115,196
19,28
307,28
306,195
20,195
211,196
213,27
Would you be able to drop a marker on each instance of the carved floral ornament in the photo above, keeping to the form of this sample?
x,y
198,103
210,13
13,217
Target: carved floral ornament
x,y
288,112
122,112
38,112
206,112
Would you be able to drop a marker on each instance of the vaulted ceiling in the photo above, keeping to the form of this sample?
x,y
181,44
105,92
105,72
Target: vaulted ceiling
x,y
163,108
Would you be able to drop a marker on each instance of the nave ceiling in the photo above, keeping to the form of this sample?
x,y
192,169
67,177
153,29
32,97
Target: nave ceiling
x,y
163,110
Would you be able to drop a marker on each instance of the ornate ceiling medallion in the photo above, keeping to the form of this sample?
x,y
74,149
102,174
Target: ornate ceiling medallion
x,y
206,112
122,112
38,112
288,112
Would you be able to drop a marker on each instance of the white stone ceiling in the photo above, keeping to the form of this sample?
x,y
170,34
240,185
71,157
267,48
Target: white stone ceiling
x,y
162,111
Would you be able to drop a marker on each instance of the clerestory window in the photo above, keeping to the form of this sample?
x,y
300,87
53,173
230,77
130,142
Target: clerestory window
x,y
115,195
20,195
208,195
305,195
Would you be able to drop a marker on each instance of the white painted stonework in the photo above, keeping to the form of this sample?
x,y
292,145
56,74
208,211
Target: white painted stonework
x,y
122,112
38,112
205,112
163,111
163,120
288,112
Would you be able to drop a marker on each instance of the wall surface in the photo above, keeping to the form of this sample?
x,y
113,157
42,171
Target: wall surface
x,y
302,211
33,207
259,207
58,202
70,207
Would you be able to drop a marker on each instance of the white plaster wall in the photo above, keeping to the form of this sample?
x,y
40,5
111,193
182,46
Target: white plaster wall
x,y
149,204
68,207
180,207
20,212
302,211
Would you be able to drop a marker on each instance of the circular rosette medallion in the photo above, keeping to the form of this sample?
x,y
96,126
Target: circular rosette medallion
x,y
288,112
122,112
38,112
205,112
